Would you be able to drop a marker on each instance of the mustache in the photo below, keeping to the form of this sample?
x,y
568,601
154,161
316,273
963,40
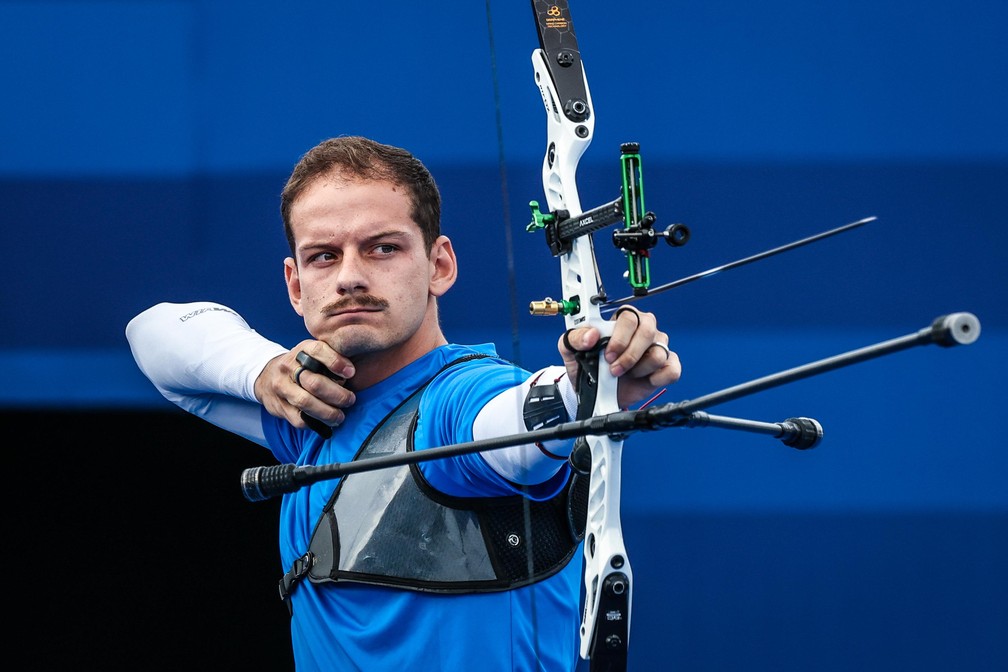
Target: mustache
x,y
349,302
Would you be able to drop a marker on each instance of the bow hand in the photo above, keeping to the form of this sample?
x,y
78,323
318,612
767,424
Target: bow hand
x,y
636,353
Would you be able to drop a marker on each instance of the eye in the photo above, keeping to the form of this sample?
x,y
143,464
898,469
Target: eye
x,y
385,249
321,258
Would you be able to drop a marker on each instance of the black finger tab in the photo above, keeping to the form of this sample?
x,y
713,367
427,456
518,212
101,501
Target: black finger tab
x,y
315,366
322,429
567,343
627,309
310,363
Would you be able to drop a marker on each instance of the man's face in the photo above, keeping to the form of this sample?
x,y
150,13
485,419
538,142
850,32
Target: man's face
x,y
363,277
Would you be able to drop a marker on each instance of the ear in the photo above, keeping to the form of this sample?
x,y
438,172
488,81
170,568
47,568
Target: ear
x,y
293,284
443,265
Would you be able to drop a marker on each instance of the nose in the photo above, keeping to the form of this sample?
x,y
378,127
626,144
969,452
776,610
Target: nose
x,y
351,277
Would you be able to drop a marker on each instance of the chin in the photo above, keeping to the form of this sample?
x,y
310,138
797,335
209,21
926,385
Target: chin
x,y
351,342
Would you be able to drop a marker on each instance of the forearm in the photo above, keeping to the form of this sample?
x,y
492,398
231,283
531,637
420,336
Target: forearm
x,y
204,358
528,463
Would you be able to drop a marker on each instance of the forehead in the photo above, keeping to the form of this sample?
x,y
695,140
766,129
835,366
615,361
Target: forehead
x,y
335,185
336,204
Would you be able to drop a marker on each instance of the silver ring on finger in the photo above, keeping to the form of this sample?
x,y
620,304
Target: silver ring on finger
x,y
668,353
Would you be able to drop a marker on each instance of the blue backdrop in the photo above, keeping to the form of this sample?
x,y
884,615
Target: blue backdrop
x,y
143,146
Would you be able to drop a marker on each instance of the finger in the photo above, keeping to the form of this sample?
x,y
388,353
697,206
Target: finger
x,y
314,413
319,409
633,334
655,357
320,395
662,349
319,357
566,343
631,327
667,367
575,341
627,309
659,368
315,366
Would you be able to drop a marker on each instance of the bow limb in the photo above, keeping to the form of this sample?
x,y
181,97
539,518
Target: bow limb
x,y
570,116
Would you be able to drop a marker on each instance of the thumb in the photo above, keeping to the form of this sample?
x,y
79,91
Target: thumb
x,y
576,340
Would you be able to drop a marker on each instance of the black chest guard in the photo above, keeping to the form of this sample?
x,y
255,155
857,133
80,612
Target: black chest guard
x,y
389,527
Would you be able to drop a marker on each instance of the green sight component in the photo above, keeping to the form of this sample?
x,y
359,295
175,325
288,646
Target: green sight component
x,y
539,219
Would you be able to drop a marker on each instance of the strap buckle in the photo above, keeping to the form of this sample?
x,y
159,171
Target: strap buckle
x,y
297,572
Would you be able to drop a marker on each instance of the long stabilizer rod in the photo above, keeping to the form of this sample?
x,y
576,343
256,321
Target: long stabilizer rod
x,y
260,483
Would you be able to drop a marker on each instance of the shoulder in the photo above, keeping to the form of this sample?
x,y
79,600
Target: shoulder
x,y
477,368
468,378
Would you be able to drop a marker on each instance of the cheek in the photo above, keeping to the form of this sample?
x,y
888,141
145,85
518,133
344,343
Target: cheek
x,y
310,298
403,283
416,289
314,290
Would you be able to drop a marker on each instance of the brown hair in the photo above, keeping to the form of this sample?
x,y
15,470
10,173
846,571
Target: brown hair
x,y
355,157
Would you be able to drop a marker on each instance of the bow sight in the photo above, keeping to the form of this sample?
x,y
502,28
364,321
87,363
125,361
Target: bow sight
x,y
636,239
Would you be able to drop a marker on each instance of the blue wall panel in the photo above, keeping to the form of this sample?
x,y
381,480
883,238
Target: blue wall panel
x,y
143,146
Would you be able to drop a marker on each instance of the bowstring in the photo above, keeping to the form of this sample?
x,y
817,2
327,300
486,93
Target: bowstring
x,y
513,300
505,199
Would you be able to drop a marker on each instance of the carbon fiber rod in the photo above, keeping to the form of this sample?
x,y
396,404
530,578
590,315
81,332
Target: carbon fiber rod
x,y
259,483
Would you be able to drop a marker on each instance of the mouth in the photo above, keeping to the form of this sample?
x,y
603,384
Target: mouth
x,y
359,306
353,310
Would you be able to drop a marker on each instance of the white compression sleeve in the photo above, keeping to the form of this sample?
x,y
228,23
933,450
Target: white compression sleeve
x,y
204,358
526,464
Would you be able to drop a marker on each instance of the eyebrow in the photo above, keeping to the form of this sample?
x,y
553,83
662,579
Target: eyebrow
x,y
396,234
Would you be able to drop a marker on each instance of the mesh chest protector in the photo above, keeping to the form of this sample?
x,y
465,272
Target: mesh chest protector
x,y
389,527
